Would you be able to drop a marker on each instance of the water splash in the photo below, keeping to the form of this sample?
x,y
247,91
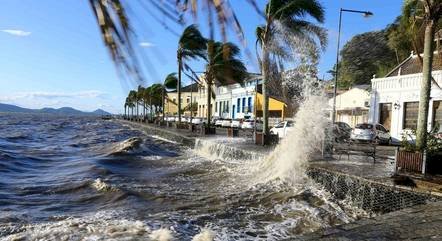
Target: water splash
x,y
161,234
204,235
102,186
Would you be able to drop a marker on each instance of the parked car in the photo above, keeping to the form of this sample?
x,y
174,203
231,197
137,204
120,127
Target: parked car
x,y
342,132
226,123
170,118
197,121
375,133
248,124
218,122
282,128
236,123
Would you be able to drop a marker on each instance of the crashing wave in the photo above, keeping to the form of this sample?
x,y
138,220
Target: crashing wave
x,y
101,186
128,145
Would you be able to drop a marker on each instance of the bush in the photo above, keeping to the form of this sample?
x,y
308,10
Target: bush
x,y
434,143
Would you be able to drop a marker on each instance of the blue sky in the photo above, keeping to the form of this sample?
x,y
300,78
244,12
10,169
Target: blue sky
x,y
52,53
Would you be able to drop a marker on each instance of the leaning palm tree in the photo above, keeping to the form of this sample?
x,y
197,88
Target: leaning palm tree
x,y
170,82
191,45
427,13
284,27
119,35
223,67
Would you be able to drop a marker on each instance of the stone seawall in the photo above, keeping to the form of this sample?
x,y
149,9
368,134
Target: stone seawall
x,y
369,195
167,134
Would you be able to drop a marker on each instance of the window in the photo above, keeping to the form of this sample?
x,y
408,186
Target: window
x,y
216,106
411,111
249,104
227,106
174,100
243,103
188,99
238,105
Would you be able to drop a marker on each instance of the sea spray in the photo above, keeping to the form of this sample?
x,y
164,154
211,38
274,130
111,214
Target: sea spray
x,y
289,158
161,234
204,235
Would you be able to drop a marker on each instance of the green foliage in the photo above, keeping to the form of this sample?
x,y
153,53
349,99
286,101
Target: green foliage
x,y
363,56
434,144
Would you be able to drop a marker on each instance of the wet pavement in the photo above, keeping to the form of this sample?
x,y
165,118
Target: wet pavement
x,y
422,222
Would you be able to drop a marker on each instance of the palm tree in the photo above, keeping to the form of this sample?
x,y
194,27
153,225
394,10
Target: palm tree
x,y
223,67
119,36
285,21
126,105
429,13
132,99
170,82
191,45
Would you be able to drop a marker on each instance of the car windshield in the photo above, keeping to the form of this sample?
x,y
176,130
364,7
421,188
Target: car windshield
x,y
364,126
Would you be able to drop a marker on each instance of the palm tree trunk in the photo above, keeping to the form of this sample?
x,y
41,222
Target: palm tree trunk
x,y
265,105
209,79
180,66
209,100
162,103
421,133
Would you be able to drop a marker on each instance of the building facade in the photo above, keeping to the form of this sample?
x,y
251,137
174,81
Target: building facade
x,y
189,96
395,98
352,106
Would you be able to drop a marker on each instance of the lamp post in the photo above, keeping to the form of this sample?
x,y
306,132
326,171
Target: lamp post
x,y
365,14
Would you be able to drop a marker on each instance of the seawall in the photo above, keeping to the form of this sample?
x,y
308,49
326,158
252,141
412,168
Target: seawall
x,y
369,195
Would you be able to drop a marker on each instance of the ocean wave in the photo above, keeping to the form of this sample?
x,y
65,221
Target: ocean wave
x,y
126,146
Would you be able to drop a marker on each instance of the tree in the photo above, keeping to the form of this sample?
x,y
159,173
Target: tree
x,y
191,45
132,100
170,82
284,29
363,56
223,67
429,13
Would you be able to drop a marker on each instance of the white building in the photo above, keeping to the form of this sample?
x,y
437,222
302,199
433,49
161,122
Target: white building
x,y
352,106
235,101
395,98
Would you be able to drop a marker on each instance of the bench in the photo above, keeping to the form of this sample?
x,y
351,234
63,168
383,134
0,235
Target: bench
x,y
354,149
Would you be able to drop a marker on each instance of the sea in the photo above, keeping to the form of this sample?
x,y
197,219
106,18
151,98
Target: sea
x,y
84,178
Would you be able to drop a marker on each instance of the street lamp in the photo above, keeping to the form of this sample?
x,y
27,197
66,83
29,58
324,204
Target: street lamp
x,y
365,14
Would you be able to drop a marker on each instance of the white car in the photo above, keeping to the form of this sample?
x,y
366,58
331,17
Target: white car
x,y
170,118
248,124
236,123
197,121
282,128
218,122
226,123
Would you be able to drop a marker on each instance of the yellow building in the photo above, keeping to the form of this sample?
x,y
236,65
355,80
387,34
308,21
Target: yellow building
x,y
189,96
277,108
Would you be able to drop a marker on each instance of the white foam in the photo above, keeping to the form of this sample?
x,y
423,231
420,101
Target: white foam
x,y
205,235
161,234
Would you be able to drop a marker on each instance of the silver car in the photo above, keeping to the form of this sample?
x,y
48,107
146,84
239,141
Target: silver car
x,y
374,133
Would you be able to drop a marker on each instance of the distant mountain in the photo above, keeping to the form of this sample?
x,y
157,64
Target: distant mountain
x,y
60,111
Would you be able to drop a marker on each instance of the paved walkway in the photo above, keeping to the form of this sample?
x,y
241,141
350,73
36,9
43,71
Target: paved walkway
x,y
418,223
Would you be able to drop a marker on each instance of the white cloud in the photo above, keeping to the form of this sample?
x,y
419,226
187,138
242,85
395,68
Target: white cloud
x,y
16,32
146,44
53,95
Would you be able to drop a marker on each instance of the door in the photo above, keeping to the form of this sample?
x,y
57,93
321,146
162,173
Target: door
x,y
385,115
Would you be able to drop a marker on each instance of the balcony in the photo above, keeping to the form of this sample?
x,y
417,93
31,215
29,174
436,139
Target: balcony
x,y
403,82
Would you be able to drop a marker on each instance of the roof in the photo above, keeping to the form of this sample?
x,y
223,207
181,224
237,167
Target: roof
x,y
412,65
